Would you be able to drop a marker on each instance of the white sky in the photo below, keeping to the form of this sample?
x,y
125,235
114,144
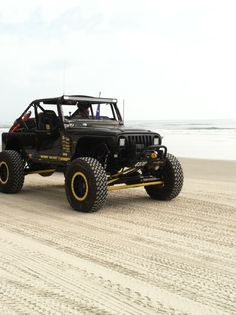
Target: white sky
x,y
168,59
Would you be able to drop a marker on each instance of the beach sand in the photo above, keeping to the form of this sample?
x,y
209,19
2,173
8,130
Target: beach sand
x,y
134,256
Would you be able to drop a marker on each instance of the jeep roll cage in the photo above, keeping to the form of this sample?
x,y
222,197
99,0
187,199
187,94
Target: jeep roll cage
x,y
83,100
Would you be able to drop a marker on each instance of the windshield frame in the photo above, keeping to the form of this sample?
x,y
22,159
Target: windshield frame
x,y
92,106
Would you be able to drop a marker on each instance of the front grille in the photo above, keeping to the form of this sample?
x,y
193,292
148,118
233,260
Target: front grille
x,y
145,140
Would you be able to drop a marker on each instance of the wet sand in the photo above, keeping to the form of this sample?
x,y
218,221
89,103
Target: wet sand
x,y
134,256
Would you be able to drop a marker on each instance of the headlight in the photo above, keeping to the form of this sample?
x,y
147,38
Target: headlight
x,y
122,142
156,141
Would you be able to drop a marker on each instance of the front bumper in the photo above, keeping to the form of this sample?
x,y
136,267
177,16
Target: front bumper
x,y
134,154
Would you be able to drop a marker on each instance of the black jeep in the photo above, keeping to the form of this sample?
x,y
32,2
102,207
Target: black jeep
x,y
84,137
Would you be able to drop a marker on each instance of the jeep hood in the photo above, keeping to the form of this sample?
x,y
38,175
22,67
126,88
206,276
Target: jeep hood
x,y
105,129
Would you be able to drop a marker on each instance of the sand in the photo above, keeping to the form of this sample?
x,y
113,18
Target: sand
x,y
134,256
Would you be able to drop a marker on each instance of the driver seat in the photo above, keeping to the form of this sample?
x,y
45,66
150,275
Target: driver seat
x,y
48,120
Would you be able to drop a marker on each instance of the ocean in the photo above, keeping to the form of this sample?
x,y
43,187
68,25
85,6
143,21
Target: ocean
x,y
204,139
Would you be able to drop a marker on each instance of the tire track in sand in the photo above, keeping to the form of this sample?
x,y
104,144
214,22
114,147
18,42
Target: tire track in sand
x,y
133,257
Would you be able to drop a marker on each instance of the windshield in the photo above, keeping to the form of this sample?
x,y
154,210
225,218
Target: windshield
x,y
83,111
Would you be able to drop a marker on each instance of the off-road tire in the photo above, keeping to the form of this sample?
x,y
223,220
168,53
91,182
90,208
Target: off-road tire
x,y
172,175
93,180
11,172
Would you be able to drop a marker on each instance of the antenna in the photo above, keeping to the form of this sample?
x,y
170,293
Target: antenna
x,y
64,48
100,93
64,77
123,111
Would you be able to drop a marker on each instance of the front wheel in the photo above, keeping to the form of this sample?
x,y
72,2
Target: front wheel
x,y
86,184
172,176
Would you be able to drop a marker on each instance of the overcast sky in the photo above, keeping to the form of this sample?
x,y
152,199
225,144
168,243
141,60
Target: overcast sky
x,y
168,59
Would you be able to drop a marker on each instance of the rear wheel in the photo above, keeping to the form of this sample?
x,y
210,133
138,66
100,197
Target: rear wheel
x,y
46,174
86,184
11,172
172,176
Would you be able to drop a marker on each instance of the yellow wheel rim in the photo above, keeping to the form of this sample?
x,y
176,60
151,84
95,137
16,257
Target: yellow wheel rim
x,y
4,173
79,186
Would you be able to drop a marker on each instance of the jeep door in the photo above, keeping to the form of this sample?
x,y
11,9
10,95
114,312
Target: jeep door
x,y
47,133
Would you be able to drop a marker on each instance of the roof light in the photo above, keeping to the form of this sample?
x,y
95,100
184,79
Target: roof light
x,y
90,99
